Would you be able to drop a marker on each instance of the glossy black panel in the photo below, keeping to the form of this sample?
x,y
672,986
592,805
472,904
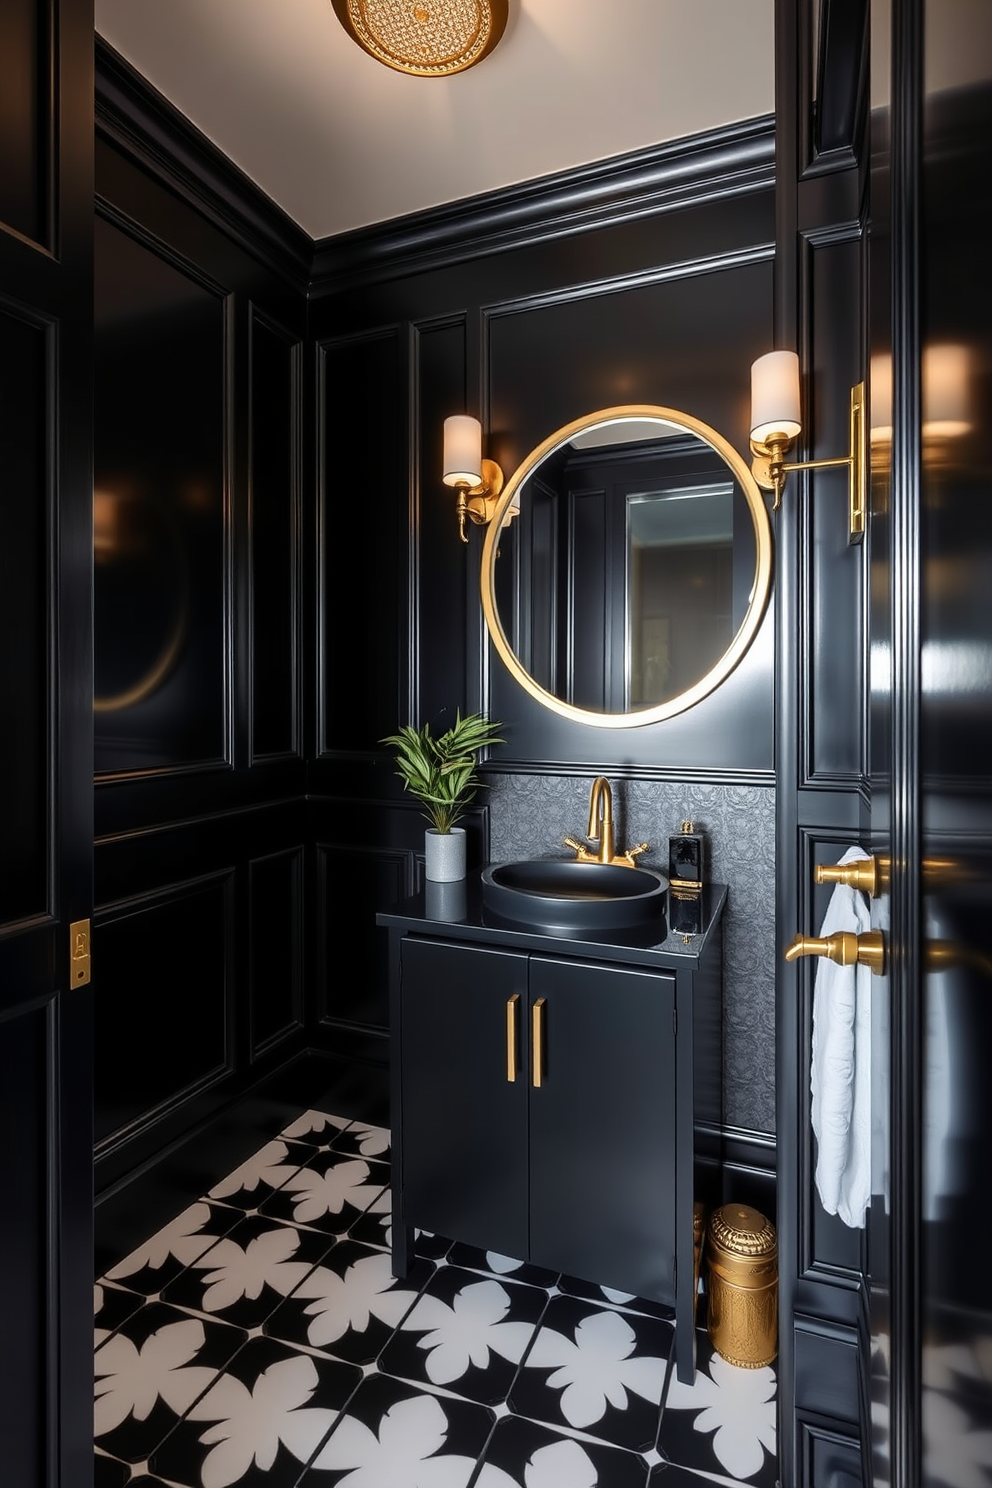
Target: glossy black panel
x,y
146,999
274,533
25,117
24,582
835,727
26,1161
276,920
447,569
353,956
364,521
160,603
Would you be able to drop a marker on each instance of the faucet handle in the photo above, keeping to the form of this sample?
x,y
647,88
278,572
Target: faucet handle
x,y
635,852
572,842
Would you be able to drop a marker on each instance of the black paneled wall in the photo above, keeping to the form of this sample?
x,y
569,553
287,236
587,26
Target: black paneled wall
x,y
200,773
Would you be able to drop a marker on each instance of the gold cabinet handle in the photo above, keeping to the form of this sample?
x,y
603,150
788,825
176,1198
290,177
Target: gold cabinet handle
x,y
511,1036
537,1039
870,875
845,948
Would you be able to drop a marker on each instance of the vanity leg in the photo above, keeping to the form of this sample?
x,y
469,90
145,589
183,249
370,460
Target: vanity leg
x,y
685,1354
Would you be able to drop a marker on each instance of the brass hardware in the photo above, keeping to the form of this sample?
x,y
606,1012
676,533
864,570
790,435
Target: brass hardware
x,y
845,949
511,1037
742,1312
600,829
948,955
79,953
537,1040
478,503
769,466
870,875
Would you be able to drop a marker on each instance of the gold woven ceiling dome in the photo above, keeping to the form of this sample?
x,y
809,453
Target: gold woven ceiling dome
x,y
428,38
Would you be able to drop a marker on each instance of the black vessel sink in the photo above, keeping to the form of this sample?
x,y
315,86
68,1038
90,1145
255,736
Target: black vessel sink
x,y
564,894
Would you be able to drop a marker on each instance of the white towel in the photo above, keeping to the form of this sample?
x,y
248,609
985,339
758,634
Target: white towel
x,y
840,1071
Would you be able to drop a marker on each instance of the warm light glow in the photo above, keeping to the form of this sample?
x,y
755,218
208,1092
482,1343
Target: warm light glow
x,y
775,411
106,524
945,378
462,450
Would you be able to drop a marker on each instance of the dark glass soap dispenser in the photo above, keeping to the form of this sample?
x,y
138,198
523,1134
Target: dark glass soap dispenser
x,y
685,858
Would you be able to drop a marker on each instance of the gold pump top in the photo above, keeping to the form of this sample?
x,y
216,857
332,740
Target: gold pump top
x,y
740,1230
687,826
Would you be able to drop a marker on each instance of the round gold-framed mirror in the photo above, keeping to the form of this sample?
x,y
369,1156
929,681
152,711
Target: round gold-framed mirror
x,y
627,567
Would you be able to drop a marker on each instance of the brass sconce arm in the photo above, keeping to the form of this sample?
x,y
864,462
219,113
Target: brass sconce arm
x,y
478,503
776,421
477,481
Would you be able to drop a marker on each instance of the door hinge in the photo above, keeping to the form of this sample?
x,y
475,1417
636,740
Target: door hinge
x,y
79,953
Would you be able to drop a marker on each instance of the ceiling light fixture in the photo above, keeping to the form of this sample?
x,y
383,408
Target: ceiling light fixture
x,y
427,38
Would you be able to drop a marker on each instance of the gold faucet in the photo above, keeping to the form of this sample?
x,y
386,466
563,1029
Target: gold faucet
x,y
600,829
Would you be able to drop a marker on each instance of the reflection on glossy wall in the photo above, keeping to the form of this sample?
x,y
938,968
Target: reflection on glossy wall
x,y
160,683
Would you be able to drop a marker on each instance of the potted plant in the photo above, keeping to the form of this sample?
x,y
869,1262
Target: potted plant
x,y
442,774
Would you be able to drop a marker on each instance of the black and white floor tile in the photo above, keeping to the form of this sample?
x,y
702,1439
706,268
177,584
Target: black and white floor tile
x,y
260,1340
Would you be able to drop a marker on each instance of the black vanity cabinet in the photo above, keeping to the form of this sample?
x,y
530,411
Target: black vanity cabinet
x,y
545,1092
538,1115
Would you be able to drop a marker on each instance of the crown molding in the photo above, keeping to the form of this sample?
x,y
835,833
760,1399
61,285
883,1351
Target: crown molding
x,y
730,161
135,117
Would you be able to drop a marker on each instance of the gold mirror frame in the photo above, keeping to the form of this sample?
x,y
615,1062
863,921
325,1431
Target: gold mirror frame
x,y
757,601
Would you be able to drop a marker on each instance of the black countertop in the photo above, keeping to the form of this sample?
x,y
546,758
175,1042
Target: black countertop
x,y
455,911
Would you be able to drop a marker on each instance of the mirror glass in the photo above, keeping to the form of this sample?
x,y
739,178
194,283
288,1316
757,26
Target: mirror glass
x,y
628,566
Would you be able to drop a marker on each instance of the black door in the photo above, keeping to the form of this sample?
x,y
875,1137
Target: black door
x,y
46,781
463,1036
602,1125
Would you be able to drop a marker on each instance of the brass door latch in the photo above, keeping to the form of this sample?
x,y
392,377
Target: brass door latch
x,y
79,953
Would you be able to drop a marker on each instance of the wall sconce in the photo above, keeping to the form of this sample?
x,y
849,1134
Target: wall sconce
x,y
477,481
776,420
945,385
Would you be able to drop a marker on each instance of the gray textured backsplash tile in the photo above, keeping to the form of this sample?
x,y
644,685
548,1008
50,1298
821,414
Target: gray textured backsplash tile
x,y
529,816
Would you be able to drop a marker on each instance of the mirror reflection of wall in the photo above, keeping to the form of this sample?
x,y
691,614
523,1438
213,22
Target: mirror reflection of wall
x,y
630,568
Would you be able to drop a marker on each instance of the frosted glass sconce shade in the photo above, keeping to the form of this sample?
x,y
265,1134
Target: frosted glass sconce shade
x,y
462,450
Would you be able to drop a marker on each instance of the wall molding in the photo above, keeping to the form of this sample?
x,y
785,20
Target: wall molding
x,y
132,115
730,161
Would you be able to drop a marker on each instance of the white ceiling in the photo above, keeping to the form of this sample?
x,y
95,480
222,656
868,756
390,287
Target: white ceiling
x,y
340,141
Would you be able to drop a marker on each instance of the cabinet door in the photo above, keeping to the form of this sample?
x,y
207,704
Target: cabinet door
x,y
602,1126
464,1123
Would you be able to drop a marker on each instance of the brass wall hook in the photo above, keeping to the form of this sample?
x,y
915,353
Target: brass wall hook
x,y
844,949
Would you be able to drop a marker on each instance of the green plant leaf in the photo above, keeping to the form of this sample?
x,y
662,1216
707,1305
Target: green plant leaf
x,y
442,773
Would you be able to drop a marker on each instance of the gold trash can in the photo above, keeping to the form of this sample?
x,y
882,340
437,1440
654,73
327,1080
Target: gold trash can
x,y
742,1295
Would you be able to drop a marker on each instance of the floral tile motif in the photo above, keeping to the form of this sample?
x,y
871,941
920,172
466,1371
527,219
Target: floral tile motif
x,y
493,1263
150,1372
362,1140
573,1286
261,1420
596,1370
523,1454
245,1276
349,1305
466,1333
111,1305
315,1128
263,1174
329,1192
724,1422
393,1436
153,1265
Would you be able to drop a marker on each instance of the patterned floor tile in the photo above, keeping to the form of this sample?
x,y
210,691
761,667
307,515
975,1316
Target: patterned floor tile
x,y
362,1140
109,1473
315,1129
151,1267
260,1422
111,1305
466,1333
493,1263
724,1422
329,1192
597,1370
573,1286
150,1372
523,1454
350,1304
263,1173
394,1436
244,1277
